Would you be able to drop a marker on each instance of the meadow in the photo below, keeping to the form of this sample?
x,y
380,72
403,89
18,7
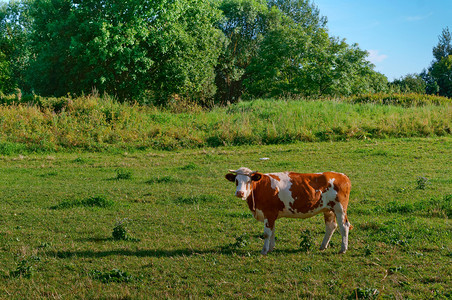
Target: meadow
x,y
150,223
93,123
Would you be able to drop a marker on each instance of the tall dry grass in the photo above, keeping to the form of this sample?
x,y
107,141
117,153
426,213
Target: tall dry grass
x,y
101,123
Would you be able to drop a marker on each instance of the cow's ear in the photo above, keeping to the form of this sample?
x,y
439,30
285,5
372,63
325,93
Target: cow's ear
x,y
230,177
256,176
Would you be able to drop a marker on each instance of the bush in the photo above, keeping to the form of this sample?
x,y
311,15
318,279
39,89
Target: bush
x,y
406,100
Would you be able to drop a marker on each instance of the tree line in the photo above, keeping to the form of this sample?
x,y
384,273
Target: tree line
x,y
215,51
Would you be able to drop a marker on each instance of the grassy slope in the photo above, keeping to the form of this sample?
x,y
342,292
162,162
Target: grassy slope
x,y
103,124
188,223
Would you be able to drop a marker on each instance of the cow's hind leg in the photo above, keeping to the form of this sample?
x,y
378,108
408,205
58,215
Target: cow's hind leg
x,y
344,225
330,227
269,235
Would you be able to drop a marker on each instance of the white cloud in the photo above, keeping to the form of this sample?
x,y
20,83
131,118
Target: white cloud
x,y
375,56
418,18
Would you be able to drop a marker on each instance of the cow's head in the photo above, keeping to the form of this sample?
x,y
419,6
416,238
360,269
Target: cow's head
x,y
243,179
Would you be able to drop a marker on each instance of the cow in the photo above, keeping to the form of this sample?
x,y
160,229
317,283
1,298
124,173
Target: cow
x,y
294,195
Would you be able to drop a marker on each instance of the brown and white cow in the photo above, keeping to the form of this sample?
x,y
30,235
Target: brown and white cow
x,y
294,195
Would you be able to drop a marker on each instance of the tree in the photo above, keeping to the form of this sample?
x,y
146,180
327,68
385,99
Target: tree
x,y
410,83
444,47
132,49
15,26
244,25
295,60
439,75
441,72
282,48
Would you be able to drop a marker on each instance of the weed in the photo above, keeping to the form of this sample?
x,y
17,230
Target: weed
x,y
366,293
368,250
434,207
240,242
79,160
393,270
164,179
45,245
422,183
396,207
120,231
24,268
123,174
307,269
114,275
196,199
95,201
306,243
190,166
395,232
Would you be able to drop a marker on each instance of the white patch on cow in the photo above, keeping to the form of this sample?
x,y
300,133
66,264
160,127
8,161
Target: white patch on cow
x,y
344,226
243,183
330,194
283,187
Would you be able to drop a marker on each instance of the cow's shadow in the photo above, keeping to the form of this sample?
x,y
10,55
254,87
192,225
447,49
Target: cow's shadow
x,y
143,253
158,253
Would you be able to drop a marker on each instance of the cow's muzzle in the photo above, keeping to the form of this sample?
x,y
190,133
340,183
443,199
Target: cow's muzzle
x,y
240,194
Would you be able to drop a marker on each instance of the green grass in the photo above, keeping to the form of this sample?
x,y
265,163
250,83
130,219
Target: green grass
x,y
190,237
103,124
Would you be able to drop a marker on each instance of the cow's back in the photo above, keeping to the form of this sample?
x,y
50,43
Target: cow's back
x,y
307,194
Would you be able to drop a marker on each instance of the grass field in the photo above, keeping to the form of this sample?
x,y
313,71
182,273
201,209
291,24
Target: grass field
x,y
179,232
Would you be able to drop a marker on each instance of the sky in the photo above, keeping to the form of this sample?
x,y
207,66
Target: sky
x,y
398,34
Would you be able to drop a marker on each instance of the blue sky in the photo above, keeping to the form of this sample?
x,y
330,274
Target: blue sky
x,y
399,34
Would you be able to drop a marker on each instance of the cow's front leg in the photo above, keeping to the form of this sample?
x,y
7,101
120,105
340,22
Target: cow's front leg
x,y
269,236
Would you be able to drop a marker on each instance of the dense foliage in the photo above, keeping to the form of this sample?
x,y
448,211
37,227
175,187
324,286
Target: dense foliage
x,y
438,77
216,51
156,51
